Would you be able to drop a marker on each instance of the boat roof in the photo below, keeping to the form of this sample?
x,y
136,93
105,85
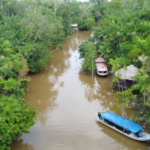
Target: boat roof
x,y
101,66
74,25
99,60
122,122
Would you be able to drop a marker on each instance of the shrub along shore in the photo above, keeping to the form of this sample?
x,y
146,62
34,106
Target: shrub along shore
x,y
122,38
28,31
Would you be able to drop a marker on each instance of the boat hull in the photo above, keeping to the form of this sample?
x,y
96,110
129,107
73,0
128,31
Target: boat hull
x,y
131,135
101,67
102,73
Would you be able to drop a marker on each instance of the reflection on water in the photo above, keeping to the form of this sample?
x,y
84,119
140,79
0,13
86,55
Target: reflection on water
x,y
66,101
98,88
119,141
22,146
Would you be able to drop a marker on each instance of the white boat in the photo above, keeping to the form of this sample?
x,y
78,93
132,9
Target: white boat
x,y
123,126
74,25
101,67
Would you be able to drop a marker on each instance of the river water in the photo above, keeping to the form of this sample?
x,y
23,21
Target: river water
x,y
66,101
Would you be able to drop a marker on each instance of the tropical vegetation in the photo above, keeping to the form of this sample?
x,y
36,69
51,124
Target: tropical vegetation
x,y
29,30
122,38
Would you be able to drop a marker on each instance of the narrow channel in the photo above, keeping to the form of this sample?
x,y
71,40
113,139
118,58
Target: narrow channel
x,y
66,101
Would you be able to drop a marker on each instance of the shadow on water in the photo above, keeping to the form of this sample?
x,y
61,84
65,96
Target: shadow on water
x,y
98,88
21,145
121,142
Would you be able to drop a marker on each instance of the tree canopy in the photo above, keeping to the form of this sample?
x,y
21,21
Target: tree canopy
x,y
29,31
122,38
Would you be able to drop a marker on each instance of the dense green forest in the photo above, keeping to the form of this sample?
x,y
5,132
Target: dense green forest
x,y
29,30
122,38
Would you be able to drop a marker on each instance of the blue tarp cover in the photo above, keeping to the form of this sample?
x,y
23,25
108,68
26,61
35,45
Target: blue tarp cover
x,y
122,122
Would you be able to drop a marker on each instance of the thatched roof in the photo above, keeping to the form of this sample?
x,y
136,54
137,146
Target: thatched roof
x,y
127,73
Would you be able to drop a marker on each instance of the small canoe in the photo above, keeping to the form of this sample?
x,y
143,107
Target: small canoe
x,y
123,126
101,67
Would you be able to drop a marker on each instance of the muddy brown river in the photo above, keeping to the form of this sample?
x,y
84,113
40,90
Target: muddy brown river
x,y
66,101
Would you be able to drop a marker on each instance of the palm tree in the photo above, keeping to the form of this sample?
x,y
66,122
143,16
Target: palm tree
x,y
139,46
5,49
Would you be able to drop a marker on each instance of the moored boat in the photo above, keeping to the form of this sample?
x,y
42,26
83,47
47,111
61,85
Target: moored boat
x,y
123,126
101,67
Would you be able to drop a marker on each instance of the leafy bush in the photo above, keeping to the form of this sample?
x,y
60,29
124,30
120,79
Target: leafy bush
x,y
86,24
15,118
89,57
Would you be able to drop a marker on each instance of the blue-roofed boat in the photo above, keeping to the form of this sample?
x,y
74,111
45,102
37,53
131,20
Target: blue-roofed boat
x,y
123,126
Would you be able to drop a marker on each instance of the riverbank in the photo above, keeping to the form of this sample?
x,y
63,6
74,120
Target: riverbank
x,y
66,101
